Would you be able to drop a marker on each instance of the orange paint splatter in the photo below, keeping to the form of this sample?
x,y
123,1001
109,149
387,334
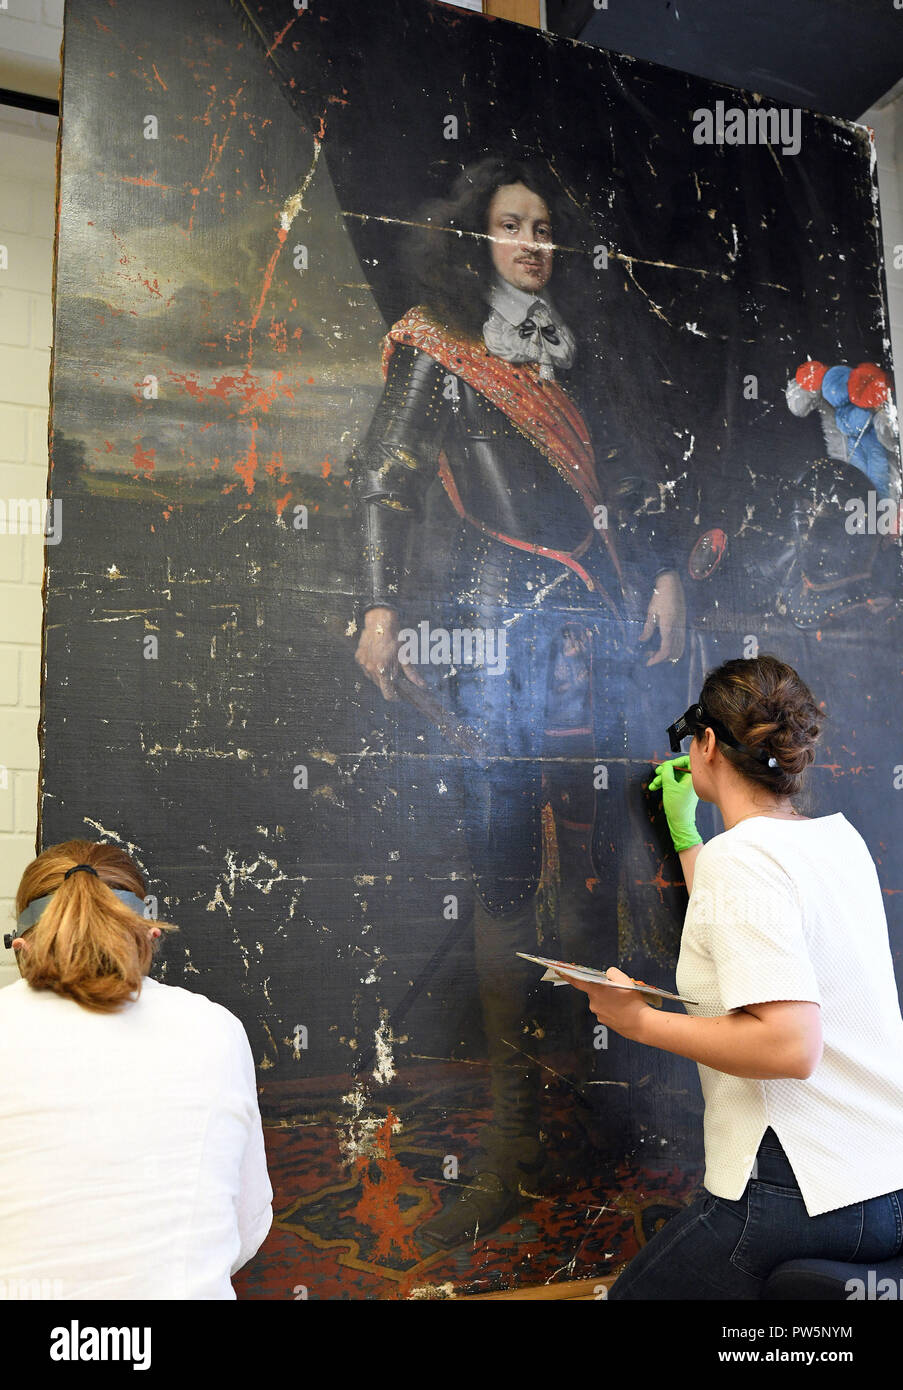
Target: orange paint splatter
x,y
159,78
382,1181
253,393
144,459
278,335
660,882
217,146
137,279
247,467
276,467
282,33
147,183
265,289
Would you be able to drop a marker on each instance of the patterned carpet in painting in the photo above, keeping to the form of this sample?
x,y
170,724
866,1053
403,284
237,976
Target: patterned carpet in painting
x,y
354,1183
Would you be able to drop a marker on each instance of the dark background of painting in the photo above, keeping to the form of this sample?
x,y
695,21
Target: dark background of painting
x,y
322,907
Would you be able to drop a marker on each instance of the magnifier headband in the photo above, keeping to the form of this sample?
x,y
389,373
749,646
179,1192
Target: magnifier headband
x,y
697,717
32,911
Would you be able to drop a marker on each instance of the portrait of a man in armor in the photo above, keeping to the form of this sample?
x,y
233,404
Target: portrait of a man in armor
x,y
487,502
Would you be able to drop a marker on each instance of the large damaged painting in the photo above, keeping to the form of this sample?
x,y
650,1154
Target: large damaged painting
x,y
434,403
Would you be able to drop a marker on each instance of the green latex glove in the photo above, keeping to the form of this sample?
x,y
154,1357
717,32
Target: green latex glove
x,y
679,800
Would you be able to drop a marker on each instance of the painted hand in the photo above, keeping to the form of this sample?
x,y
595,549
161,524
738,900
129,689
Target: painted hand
x,y
377,652
668,612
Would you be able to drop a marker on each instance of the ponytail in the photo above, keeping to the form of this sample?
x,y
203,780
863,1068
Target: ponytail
x,y
87,944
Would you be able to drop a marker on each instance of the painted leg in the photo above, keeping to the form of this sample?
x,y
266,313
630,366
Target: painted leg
x,y
510,1150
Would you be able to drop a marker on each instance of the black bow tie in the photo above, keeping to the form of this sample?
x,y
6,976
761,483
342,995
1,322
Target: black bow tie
x,y
549,332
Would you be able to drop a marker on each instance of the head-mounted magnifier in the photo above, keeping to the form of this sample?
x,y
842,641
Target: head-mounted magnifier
x,y
32,911
697,717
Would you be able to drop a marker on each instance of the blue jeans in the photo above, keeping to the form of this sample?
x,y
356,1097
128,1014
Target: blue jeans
x,y
718,1249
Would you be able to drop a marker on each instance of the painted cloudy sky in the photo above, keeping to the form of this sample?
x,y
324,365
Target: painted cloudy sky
x,y
170,264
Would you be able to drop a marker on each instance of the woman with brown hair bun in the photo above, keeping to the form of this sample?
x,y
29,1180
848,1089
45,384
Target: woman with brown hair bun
x,y
795,1023
132,1163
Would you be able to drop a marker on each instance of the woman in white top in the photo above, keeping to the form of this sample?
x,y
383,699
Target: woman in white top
x,y
796,1026
132,1163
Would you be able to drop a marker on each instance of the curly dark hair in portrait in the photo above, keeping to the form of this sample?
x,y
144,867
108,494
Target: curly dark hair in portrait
x,y
450,255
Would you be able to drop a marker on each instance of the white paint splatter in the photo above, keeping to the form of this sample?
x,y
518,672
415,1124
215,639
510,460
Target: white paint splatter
x,y
295,204
248,872
356,1134
385,1064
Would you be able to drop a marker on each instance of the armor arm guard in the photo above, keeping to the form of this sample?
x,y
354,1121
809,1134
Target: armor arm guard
x,y
645,513
393,467
654,545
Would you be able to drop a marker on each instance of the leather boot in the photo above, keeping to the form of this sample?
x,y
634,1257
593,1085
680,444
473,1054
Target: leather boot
x,y
510,1151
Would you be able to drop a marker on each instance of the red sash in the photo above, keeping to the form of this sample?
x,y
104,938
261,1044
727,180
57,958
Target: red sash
x,y
540,409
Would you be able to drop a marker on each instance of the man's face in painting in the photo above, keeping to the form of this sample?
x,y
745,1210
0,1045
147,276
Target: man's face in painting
x,y
521,232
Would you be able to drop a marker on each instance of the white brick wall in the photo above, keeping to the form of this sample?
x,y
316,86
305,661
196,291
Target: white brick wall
x,y
31,32
27,158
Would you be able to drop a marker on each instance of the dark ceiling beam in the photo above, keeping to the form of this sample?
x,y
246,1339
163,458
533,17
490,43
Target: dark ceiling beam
x,y
27,102
833,56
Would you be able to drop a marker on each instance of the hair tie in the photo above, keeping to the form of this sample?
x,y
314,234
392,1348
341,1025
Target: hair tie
x,y
87,868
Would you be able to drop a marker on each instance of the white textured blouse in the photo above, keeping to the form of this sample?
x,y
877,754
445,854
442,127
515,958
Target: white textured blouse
x,y
132,1161
793,910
